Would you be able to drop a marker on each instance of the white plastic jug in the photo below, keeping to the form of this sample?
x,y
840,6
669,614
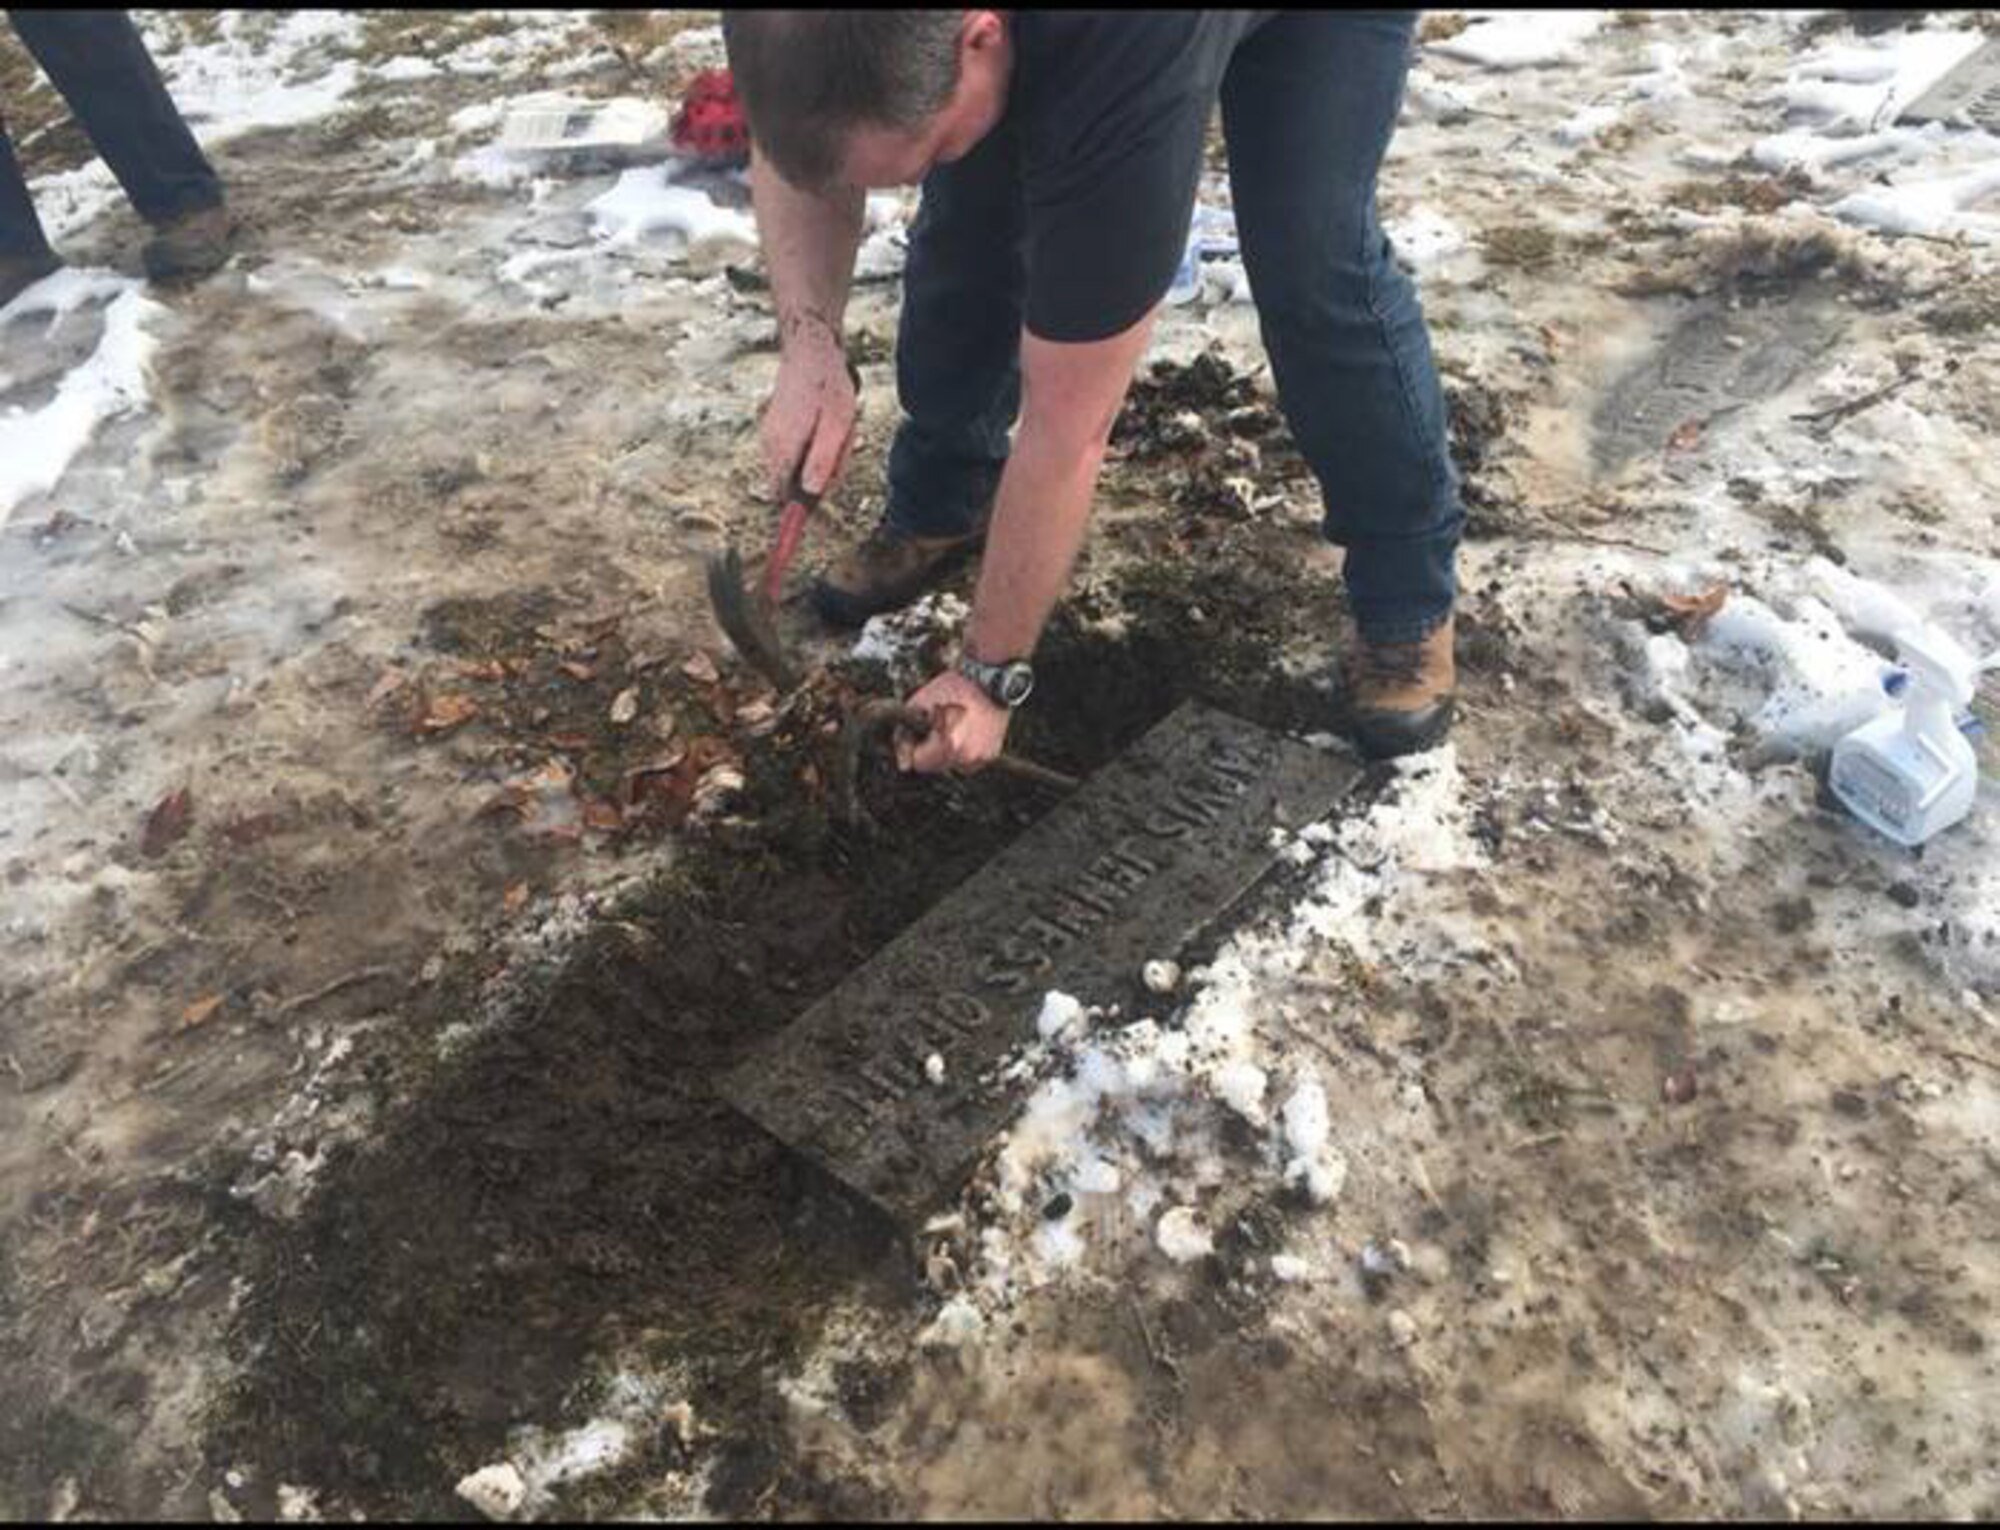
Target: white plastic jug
x,y
1912,772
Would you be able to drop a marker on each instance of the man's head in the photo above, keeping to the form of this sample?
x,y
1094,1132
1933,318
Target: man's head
x,y
867,98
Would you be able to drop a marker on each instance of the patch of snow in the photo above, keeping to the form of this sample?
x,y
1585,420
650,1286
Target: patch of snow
x,y
1308,1132
1521,39
480,117
406,68
496,1491
1860,86
644,203
1240,1085
1583,125
1936,207
959,1322
1060,1016
1182,1237
37,447
256,75
1424,236
893,637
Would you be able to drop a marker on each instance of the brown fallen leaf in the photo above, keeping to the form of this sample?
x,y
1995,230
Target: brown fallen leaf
x,y
1686,435
488,669
640,777
199,1012
169,821
247,829
391,682
1689,614
701,669
447,712
515,898
625,706
509,799
568,740
599,814
577,671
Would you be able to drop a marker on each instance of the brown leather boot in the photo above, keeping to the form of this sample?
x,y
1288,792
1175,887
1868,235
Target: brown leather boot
x,y
886,571
190,245
20,272
1399,695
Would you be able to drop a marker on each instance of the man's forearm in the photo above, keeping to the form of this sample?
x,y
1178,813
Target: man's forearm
x,y
809,243
1038,526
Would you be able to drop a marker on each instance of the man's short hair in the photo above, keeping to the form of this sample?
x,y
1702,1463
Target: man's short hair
x,y
806,78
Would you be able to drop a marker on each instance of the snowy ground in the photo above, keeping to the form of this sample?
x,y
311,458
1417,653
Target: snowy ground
x,y
1607,1127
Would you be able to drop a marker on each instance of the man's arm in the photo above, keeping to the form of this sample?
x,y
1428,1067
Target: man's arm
x,y
809,243
1070,399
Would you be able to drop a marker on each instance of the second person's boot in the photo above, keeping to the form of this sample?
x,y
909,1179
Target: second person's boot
x,y
888,571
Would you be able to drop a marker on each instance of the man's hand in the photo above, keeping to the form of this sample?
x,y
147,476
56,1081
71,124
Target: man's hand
x,y
968,730
809,422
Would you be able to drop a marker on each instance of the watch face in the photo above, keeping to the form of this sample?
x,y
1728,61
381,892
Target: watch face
x,y
1016,680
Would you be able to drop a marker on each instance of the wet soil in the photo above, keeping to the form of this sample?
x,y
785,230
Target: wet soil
x,y
570,1185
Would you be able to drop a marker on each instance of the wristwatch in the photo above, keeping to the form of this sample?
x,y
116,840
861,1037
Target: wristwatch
x,y
1007,684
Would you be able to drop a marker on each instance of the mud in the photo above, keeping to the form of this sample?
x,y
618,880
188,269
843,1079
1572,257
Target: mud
x,y
575,1186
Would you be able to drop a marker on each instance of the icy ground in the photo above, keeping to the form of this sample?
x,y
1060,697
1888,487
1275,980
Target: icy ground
x,y
1608,1128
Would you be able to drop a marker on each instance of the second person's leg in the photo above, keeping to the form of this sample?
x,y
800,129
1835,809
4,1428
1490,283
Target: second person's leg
x,y
1309,104
99,63
958,378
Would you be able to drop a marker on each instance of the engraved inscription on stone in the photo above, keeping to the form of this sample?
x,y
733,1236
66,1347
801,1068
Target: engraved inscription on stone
x,y
1135,862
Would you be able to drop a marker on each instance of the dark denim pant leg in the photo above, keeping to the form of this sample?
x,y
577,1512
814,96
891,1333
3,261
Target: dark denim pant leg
x,y
958,342
21,236
99,62
1309,104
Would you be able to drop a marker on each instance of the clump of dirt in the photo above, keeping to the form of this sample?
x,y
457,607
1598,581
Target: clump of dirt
x,y
1969,310
1521,246
1480,419
1752,193
1224,451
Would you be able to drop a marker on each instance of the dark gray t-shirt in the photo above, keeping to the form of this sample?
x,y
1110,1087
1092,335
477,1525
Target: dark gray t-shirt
x,y
1112,108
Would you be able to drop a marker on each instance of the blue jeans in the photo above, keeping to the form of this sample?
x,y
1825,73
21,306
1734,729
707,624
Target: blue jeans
x,y
1308,106
100,64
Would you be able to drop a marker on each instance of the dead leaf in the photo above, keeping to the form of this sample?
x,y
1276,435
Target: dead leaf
x,y
599,814
701,669
625,706
577,671
568,741
1685,436
1689,614
490,669
391,682
199,1012
510,799
640,777
249,828
447,712
168,821
515,898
